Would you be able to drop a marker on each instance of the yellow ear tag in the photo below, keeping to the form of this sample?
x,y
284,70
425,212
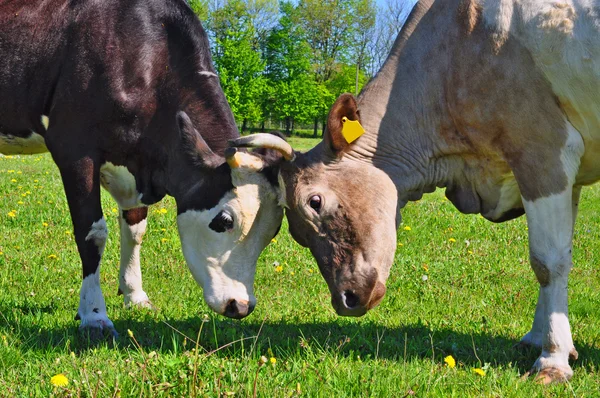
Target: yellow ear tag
x,y
351,129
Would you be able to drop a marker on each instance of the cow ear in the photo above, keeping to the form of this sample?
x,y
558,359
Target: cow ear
x,y
344,111
193,143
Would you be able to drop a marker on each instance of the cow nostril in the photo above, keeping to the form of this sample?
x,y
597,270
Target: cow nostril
x,y
231,310
350,299
237,309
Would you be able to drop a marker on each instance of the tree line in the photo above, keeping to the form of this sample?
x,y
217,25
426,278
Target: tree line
x,y
282,64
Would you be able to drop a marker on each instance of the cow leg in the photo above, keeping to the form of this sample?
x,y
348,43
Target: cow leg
x,y
133,227
82,187
534,338
550,237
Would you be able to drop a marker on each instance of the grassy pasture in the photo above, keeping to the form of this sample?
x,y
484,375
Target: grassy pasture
x,y
460,286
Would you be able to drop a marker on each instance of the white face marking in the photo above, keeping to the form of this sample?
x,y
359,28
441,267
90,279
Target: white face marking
x,y
207,73
224,263
121,184
130,274
11,145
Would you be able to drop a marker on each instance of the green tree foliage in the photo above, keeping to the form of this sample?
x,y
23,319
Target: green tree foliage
x,y
288,62
293,92
238,60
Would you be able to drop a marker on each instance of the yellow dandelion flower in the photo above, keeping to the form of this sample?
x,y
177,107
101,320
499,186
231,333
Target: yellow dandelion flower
x,y
53,256
450,361
35,181
114,210
451,240
23,194
20,202
163,230
163,240
400,244
45,224
426,268
273,360
273,240
12,214
470,251
310,271
19,172
407,228
68,232
13,180
479,371
4,341
279,268
162,210
59,380
50,202
130,333
1,253
292,273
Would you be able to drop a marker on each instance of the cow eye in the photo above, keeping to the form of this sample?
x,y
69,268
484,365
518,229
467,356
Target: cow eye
x,y
222,222
315,202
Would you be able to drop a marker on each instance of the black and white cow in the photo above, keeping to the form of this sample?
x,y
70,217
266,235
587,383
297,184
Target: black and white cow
x,y
124,95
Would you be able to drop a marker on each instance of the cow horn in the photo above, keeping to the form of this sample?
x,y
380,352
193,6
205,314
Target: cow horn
x,y
231,158
237,159
263,140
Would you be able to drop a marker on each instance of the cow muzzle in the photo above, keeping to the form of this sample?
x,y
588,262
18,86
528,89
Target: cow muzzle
x,y
356,302
238,309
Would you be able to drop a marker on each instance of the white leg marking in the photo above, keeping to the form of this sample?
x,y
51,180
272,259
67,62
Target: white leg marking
x,y
551,221
550,231
45,121
98,234
120,183
130,274
92,307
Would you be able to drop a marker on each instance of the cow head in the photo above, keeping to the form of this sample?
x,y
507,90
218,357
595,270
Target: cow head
x,y
343,209
225,220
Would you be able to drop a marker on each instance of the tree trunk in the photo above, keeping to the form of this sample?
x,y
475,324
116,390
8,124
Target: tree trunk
x,y
244,125
288,125
262,126
323,127
356,82
316,127
292,126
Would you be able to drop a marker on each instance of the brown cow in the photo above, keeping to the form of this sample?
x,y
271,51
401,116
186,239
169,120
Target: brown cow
x,y
498,101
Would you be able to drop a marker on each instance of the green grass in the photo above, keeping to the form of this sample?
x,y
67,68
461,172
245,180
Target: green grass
x,y
477,301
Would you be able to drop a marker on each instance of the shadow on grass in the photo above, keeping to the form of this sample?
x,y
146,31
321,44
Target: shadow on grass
x,y
340,338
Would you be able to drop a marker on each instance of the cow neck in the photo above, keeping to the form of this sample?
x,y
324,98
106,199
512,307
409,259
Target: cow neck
x,y
403,110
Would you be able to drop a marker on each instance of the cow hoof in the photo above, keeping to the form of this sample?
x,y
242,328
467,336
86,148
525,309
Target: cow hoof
x,y
98,333
551,375
98,328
